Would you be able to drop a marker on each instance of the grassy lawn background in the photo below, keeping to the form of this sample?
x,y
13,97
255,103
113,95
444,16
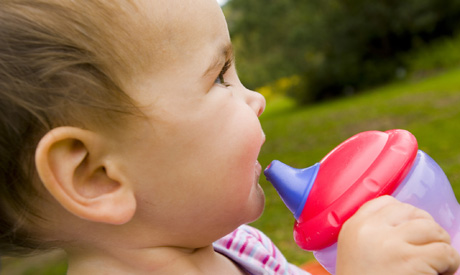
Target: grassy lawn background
x,y
301,136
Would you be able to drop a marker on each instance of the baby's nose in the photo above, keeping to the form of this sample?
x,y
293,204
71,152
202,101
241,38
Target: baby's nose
x,y
256,101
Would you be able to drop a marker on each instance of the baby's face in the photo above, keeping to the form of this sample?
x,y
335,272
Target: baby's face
x,y
193,161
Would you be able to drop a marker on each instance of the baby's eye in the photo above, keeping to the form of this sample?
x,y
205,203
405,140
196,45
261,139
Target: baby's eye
x,y
220,78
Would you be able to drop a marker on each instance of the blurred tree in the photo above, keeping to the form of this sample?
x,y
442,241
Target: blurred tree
x,y
266,35
336,46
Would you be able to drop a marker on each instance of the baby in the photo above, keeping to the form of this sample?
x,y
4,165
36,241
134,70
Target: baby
x,y
128,140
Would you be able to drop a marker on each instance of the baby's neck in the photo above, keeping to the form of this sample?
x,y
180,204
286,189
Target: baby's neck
x,y
159,260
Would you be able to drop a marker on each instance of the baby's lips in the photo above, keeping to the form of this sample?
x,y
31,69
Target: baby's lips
x,y
258,167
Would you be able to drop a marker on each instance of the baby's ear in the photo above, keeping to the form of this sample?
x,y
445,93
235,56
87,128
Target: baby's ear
x,y
79,170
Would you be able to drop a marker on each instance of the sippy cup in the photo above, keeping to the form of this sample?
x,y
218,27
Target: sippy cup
x,y
365,166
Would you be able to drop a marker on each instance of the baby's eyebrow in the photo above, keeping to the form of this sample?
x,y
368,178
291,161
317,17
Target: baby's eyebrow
x,y
223,55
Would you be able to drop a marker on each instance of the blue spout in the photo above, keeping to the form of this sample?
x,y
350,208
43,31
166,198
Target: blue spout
x,y
293,185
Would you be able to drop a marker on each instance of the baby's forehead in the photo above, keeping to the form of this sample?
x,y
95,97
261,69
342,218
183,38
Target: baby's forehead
x,y
165,22
165,30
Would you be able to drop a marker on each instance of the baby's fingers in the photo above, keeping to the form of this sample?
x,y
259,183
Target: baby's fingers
x,y
391,211
398,213
373,206
441,257
423,231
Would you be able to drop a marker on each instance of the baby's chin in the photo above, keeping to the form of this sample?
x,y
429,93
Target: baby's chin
x,y
257,201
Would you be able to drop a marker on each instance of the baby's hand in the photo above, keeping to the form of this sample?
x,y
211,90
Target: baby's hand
x,y
386,236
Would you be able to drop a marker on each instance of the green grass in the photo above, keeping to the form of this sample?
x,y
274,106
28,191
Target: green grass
x,y
429,108
300,137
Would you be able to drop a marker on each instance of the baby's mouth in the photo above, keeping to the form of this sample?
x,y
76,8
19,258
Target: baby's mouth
x,y
258,167
257,171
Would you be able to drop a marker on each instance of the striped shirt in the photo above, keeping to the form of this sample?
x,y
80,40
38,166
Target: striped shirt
x,y
255,252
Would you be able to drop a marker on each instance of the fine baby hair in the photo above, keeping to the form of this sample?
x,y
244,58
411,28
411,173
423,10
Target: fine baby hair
x,y
58,66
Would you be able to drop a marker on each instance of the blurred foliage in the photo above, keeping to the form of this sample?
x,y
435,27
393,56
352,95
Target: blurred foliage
x,y
337,47
430,58
281,87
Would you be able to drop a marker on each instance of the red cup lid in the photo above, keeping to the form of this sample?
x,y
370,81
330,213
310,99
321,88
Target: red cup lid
x,y
367,165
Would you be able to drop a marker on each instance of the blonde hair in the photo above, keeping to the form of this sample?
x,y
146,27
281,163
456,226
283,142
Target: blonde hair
x,y
60,64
